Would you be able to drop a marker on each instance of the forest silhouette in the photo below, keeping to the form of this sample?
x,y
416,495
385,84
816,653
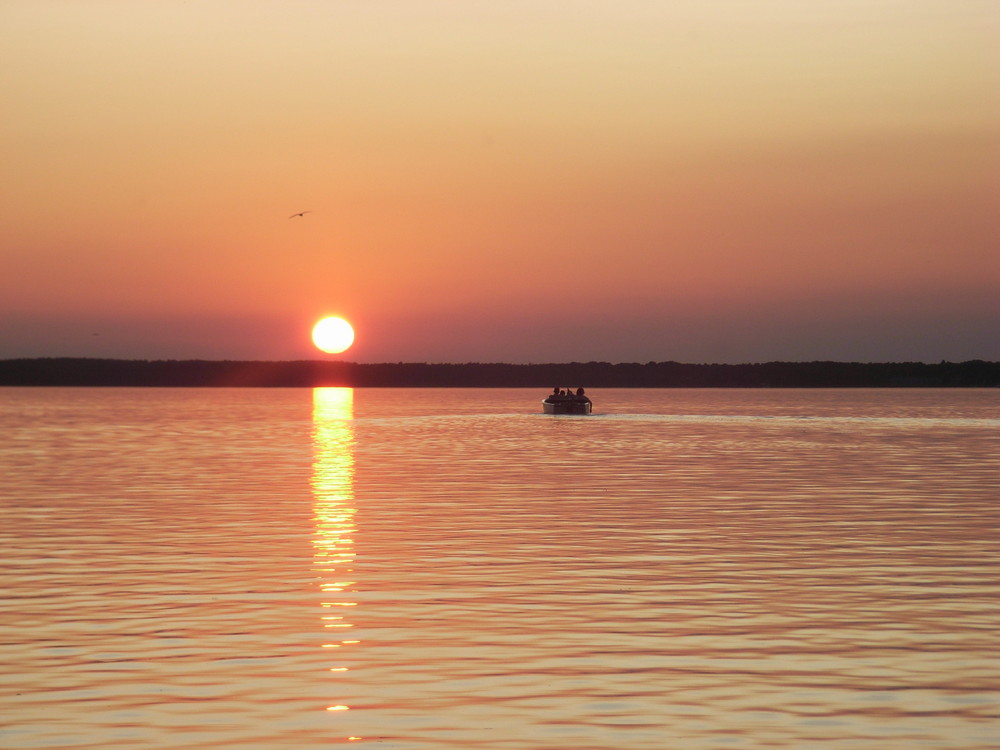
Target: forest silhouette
x,y
315,373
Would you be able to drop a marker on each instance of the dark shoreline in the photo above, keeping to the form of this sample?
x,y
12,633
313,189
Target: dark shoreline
x,y
67,371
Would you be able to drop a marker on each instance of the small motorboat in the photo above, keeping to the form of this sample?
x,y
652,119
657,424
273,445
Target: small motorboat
x,y
566,403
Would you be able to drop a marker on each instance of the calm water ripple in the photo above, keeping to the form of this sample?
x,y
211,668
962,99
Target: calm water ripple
x,y
449,569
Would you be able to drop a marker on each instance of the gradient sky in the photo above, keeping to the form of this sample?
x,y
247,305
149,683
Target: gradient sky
x,y
690,180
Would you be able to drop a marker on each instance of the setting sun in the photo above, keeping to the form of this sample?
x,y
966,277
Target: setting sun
x,y
333,335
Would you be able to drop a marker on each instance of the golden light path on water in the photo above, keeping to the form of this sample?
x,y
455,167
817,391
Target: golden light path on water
x,y
333,513
690,569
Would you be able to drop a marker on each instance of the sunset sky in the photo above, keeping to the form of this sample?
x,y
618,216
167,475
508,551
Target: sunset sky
x,y
555,180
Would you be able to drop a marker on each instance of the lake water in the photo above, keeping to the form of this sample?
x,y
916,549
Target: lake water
x,y
420,569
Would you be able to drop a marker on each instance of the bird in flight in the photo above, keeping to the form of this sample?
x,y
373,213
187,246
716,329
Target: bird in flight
x,y
300,213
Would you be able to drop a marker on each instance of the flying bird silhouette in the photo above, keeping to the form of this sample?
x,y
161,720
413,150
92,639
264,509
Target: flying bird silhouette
x,y
300,213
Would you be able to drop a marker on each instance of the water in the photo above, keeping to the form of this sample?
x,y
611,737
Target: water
x,y
449,569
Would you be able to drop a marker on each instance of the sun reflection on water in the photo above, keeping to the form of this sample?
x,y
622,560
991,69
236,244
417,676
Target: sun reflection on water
x,y
334,511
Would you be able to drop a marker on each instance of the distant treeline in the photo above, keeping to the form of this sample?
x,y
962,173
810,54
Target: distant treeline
x,y
309,373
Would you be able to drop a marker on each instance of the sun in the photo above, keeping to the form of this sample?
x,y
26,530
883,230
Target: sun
x,y
333,335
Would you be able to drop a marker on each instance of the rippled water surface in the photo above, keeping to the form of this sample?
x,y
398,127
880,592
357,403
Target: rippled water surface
x,y
426,569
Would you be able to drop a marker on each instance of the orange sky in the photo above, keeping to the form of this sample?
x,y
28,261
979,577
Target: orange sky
x,y
698,180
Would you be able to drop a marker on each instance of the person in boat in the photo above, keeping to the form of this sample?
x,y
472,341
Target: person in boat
x,y
582,396
560,394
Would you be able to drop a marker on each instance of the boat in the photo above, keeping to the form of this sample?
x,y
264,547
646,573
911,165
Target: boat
x,y
566,403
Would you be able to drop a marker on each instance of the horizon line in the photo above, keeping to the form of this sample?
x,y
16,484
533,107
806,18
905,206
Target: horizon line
x,y
508,364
